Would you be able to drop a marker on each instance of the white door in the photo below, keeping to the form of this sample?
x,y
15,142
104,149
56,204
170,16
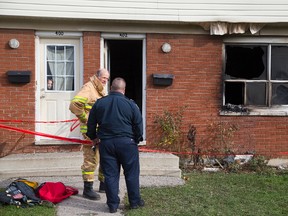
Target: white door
x,y
59,81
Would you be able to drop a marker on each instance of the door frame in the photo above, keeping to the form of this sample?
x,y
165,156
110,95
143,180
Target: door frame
x,y
103,63
52,35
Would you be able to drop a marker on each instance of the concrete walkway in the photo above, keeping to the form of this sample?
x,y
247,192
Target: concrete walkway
x,y
76,205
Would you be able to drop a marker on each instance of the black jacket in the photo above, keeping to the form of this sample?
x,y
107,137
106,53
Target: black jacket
x,y
116,116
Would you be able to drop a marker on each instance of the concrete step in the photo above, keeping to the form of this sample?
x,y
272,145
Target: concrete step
x,y
68,163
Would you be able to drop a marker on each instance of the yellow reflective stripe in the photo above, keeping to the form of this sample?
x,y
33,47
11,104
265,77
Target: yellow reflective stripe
x,y
83,115
83,128
88,107
87,173
80,99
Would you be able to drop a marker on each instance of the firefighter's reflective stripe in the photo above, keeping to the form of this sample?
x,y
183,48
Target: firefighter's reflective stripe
x,y
83,128
80,99
88,107
83,116
87,173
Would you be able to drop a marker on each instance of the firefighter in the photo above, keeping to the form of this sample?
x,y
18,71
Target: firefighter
x,y
80,105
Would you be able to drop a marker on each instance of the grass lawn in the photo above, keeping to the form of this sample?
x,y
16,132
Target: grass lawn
x,y
203,194
10,210
219,194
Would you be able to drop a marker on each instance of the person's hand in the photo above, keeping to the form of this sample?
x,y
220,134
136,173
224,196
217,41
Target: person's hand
x,y
96,141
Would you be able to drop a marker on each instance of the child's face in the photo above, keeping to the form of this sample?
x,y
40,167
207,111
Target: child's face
x,y
49,84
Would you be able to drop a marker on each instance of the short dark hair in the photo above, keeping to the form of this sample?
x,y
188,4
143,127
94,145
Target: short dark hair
x,y
118,84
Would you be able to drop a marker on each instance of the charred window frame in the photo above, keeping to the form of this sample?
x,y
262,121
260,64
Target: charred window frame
x,y
256,75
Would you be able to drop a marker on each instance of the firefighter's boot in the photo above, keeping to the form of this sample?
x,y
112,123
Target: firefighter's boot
x,y
88,191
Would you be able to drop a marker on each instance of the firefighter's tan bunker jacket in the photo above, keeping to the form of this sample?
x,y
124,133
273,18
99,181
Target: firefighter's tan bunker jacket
x,y
81,105
84,100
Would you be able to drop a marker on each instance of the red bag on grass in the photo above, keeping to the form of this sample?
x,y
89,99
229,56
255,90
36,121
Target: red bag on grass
x,y
55,192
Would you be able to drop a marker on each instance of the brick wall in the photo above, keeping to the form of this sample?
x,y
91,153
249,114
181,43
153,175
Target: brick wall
x,y
196,63
17,100
91,47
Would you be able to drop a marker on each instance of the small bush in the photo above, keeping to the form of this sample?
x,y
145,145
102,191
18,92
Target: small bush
x,y
169,123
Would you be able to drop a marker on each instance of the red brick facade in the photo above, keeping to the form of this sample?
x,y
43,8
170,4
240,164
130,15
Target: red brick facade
x,y
196,63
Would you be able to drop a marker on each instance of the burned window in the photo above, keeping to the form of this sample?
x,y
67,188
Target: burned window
x,y
245,62
256,75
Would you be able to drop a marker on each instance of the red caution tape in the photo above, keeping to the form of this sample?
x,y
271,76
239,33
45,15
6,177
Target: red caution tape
x,y
144,149
26,121
45,135
182,153
74,125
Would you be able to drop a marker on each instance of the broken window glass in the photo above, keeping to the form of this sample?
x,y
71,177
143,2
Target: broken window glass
x,y
234,93
279,94
246,62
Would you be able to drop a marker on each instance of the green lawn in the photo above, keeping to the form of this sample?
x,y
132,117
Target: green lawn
x,y
219,194
29,211
203,194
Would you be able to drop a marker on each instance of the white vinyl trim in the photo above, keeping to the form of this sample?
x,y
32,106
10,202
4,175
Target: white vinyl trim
x,y
122,35
37,84
60,34
256,40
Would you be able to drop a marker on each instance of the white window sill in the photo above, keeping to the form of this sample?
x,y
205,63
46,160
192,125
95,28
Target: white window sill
x,y
258,112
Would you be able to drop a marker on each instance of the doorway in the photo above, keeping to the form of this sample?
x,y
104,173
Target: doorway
x,y
58,80
125,58
126,61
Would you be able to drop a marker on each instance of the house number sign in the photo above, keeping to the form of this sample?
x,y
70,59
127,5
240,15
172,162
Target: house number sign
x,y
123,35
59,33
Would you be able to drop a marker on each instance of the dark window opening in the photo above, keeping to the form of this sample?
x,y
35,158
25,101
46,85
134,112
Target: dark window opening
x,y
245,63
234,93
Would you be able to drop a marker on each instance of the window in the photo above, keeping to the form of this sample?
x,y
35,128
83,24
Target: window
x,y
60,68
256,75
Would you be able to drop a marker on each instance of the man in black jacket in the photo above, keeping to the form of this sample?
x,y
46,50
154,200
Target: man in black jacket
x,y
115,123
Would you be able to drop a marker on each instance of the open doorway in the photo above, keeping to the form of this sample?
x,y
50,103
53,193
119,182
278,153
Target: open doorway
x,y
124,56
125,60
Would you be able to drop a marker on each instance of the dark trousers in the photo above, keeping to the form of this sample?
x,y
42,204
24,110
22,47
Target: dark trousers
x,y
114,153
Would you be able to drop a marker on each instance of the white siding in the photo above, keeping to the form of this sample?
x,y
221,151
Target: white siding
x,y
252,11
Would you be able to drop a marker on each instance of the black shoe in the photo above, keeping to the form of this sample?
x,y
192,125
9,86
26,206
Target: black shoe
x,y
102,187
112,210
140,204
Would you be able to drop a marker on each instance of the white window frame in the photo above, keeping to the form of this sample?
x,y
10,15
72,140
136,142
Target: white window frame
x,y
281,110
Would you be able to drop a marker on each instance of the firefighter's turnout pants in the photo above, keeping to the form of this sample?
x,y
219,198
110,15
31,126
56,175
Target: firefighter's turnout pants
x,y
90,163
